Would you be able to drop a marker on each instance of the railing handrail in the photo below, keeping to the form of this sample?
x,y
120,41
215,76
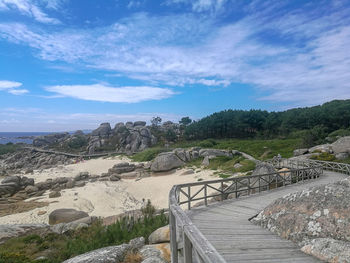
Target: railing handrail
x,y
193,240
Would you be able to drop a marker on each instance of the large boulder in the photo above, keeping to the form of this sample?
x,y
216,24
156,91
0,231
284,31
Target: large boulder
x,y
263,168
103,131
65,215
166,162
15,230
120,168
299,152
161,235
310,215
112,254
324,148
342,145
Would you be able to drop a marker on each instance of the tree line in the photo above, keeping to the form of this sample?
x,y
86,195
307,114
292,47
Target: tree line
x,y
319,120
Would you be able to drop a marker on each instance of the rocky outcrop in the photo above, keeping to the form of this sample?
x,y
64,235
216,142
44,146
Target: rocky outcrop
x,y
13,184
43,141
112,254
340,148
316,219
166,162
126,171
178,157
104,131
124,138
10,231
342,145
65,216
26,161
299,152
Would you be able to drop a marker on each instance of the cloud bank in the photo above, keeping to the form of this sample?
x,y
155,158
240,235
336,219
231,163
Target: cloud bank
x,y
289,55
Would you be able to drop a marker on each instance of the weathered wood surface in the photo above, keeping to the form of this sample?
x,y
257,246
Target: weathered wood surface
x,y
226,226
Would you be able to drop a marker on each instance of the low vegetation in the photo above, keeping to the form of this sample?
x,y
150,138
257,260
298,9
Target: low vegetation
x,y
57,248
148,154
328,158
8,148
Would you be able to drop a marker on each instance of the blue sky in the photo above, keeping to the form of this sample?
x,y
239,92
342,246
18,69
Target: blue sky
x,y
72,64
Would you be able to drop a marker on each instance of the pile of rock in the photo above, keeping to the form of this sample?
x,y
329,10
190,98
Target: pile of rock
x,y
26,161
170,160
13,184
125,171
21,188
316,219
127,138
340,148
44,141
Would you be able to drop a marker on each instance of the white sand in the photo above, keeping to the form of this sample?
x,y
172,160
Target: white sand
x,y
104,198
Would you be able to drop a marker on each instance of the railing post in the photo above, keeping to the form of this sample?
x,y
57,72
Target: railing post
x,y
173,243
222,191
187,249
205,195
189,197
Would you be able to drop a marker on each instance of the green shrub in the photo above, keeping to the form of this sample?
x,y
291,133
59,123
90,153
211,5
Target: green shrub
x,y
323,157
209,143
148,154
58,248
77,142
8,148
341,133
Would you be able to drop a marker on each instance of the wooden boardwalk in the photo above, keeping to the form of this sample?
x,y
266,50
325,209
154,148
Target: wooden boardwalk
x,y
226,226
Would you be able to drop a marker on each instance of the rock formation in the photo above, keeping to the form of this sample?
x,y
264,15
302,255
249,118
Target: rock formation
x,y
124,138
340,148
316,219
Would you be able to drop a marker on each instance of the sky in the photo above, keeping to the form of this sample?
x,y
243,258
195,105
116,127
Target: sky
x,y
73,64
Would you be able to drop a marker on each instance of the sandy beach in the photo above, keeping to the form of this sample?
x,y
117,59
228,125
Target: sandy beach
x,y
104,198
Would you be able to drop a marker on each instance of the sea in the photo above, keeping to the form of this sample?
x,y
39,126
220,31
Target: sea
x,y
19,137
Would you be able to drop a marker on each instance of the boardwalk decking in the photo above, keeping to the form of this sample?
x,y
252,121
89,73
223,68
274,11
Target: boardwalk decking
x,y
226,226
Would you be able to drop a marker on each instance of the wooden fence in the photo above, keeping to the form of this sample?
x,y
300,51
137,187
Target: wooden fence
x,y
187,243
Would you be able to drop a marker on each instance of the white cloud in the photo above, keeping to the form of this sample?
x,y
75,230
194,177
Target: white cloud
x,y
99,92
12,87
213,6
308,63
6,84
30,8
18,91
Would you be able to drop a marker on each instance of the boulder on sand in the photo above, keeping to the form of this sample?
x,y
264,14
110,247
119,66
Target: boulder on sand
x,y
65,215
166,162
161,235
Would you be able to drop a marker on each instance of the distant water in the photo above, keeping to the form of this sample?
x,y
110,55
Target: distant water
x,y
19,137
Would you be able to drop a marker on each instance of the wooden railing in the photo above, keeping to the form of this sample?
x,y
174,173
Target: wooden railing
x,y
343,168
187,243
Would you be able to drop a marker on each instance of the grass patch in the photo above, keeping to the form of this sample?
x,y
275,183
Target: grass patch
x,y
323,157
226,164
57,248
148,154
196,162
8,148
329,158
